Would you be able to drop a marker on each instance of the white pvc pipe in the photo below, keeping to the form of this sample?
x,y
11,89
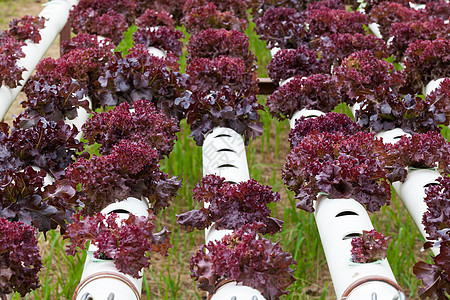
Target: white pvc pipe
x,y
56,12
223,154
392,136
412,194
338,221
100,277
82,117
433,85
156,52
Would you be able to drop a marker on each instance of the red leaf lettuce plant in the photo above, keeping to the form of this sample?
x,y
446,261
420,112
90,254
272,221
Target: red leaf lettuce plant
x,y
156,29
325,21
102,17
211,43
282,27
336,47
425,61
436,276
208,16
386,13
11,43
330,122
224,108
341,166
369,247
231,206
20,261
130,170
140,75
425,150
126,241
289,63
258,263
145,124
214,74
237,8
365,77
28,155
406,33
318,91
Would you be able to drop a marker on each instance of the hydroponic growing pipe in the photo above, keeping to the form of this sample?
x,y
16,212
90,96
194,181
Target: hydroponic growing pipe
x,y
223,154
338,221
101,279
56,13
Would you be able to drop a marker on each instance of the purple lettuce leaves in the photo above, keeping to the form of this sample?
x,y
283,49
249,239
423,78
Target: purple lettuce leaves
x,y
318,91
438,9
258,263
224,108
153,18
406,33
211,43
20,260
289,63
435,277
369,247
38,142
23,199
329,21
128,242
437,216
173,7
336,47
52,92
424,150
387,13
412,114
222,71
141,75
425,61
282,27
27,28
365,77
331,122
208,16
10,53
102,17
342,167
440,98
131,170
238,8
164,38
231,205
145,125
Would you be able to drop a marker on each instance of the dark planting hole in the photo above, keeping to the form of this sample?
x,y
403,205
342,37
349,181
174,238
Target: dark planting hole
x,y
120,211
430,184
222,135
310,116
230,182
351,235
346,213
227,166
226,150
398,137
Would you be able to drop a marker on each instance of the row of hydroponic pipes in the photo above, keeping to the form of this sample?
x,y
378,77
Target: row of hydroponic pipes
x,y
232,164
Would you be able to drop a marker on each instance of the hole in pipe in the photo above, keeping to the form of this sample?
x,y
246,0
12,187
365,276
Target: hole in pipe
x,y
119,211
227,166
351,235
346,213
397,137
226,150
430,184
230,182
222,135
